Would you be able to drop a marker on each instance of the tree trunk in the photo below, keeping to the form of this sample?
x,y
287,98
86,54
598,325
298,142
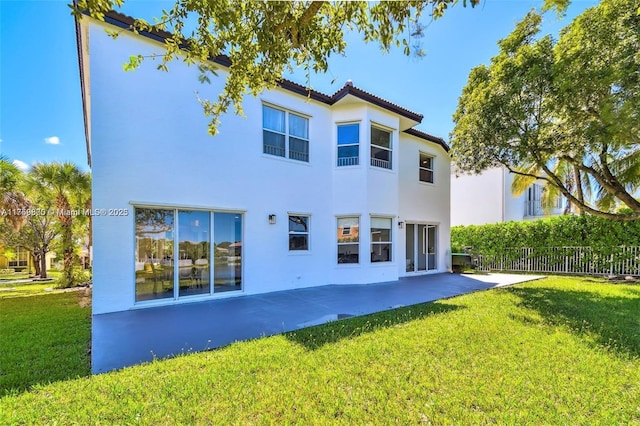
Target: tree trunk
x,y
580,194
43,264
65,218
67,255
36,262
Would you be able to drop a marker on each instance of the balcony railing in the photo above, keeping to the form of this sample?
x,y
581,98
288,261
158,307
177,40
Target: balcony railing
x,y
348,161
384,164
273,150
298,155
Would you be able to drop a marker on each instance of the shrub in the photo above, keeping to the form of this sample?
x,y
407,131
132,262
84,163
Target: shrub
x,y
80,277
604,236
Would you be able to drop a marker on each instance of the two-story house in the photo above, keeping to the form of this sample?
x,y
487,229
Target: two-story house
x,y
308,189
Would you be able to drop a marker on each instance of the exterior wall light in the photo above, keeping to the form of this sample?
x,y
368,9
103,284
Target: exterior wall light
x,y
272,219
400,224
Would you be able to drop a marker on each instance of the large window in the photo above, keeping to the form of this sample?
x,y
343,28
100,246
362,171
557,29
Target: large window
x,y
348,144
426,168
380,148
18,258
176,249
380,239
285,134
298,233
348,240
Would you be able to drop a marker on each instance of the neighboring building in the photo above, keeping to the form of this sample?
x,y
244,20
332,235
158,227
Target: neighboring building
x,y
487,198
307,190
20,260
15,258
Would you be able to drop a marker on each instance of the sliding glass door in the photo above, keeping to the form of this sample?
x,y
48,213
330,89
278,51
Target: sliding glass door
x,y
193,252
176,248
421,247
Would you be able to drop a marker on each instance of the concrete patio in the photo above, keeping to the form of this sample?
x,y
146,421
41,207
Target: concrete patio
x,y
127,338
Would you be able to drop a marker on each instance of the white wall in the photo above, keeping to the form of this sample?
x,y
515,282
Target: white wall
x,y
150,147
487,198
422,202
477,199
513,205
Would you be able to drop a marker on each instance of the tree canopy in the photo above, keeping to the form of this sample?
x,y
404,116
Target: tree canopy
x,y
12,200
566,112
265,39
69,188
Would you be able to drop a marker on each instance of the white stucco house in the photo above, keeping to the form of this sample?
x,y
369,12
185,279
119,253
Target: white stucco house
x,y
487,198
309,189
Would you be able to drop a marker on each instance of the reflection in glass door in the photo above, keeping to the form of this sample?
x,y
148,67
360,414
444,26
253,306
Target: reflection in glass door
x,y
432,242
180,253
193,252
410,248
421,247
227,232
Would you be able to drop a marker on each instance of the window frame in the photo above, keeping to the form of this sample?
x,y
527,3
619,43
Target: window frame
x,y
306,233
427,169
350,235
172,265
372,159
347,145
287,134
381,243
21,260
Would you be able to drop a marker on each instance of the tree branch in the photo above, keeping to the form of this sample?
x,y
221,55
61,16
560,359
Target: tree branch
x,y
610,183
560,185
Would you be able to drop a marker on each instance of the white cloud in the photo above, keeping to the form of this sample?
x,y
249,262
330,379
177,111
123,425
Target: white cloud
x,y
53,140
21,165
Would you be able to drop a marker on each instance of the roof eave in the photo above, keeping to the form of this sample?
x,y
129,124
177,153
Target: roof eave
x,y
83,89
349,89
426,136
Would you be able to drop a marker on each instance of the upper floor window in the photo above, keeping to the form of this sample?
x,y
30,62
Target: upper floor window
x,y
426,168
380,148
285,134
298,232
348,144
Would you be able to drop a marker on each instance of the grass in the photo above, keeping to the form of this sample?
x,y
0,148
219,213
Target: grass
x,y
9,288
24,275
25,289
43,339
14,276
555,351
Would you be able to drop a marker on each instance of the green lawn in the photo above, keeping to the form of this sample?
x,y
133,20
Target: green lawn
x,y
554,351
43,338
25,289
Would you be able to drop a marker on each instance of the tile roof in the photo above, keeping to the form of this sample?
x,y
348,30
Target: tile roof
x,y
124,21
426,136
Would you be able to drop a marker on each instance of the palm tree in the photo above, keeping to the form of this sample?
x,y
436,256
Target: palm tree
x,y
69,186
12,200
625,169
572,179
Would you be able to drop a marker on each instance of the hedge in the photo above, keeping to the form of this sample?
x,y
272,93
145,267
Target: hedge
x,y
602,235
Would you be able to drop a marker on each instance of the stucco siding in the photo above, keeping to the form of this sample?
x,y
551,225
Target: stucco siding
x,y
150,148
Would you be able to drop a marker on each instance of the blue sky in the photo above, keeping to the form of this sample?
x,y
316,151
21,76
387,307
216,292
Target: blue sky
x,y
40,104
